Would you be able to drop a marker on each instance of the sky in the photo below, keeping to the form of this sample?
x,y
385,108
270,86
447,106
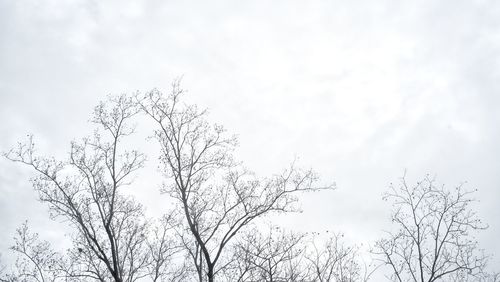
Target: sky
x,y
361,91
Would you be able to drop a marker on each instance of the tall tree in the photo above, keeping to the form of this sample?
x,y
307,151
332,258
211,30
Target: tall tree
x,y
216,196
87,190
435,236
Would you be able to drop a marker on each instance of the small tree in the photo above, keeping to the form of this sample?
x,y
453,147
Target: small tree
x,y
275,255
216,196
335,261
435,236
163,249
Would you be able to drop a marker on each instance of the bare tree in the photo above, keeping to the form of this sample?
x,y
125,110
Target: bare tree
x,y
217,197
87,191
331,261
281,255
334,261
163,249
276,255
435,237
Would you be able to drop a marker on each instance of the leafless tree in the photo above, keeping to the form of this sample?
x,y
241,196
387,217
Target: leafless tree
x,y
281,255
163,250
435,237
217,197
334,261
87,191
276,255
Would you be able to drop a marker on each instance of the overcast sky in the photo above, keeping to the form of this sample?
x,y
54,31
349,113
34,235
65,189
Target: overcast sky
x,y
358,90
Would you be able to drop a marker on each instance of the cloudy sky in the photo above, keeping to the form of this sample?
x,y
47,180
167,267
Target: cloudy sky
x,y
358,90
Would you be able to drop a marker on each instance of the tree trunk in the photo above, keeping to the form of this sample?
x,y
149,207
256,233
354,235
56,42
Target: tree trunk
x,y
210,274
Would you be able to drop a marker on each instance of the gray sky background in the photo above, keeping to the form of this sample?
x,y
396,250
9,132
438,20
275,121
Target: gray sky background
x,y
358,90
